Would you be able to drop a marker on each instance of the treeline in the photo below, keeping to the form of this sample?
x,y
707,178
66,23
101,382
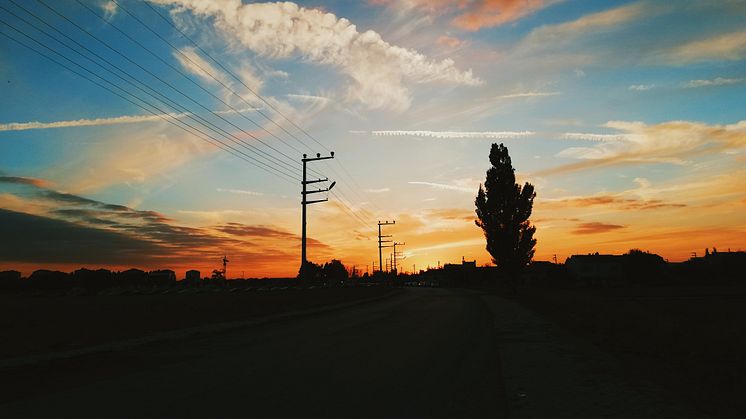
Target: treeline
x,y
86,279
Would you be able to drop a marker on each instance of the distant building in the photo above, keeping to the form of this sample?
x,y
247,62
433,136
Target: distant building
x,y
163,276
193,276
595,268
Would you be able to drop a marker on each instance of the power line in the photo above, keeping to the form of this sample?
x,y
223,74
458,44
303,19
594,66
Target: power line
x,y
356,187
160,114
187,112
156,76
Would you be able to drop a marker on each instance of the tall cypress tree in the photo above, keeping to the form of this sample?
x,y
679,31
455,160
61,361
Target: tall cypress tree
x,y
503,209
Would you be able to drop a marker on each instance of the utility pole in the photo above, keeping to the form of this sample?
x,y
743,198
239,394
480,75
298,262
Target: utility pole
x,y
305,202
225,266
555,258
397,254
381,242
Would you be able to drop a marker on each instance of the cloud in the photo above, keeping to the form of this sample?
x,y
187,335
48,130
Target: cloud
x,y
116,120
131,158
381,190
449,41
725,47
595,228
529,94
378,70
50,227
444,186
489,13
472,15
238,229
110,9
669,142
195,64
40,239
494,135
718,81
126,119
310,99
549,36
39,183
240,192
641,87
617,201
593,137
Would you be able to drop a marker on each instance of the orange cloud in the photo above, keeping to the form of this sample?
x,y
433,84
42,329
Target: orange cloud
x,y
473,15
489,13
450,41
596,227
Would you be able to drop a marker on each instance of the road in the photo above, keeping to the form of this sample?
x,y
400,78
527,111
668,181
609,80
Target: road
x,y
423,353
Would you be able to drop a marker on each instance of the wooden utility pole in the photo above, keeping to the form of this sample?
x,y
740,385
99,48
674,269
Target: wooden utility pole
x,y
381,242
305,202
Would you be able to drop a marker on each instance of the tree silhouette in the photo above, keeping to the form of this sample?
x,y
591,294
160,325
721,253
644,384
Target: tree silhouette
x,y
503,209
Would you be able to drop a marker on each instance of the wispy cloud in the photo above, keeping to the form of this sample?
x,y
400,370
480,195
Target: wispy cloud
x,y
378,69
493,135
549,36
126,119
593,137
444,186
529,94
472,15
116,120
729,47
595,228
309,98
668,142
380,190
240,192
718,81
641,87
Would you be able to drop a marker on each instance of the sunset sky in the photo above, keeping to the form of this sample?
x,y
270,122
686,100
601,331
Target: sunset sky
x,y
628,116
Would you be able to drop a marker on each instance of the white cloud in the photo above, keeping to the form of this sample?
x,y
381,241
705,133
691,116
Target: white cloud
x,y
529,94
124,119
309,98
110,9
280,30
240,192
641,87
593,137
381,190
446,187
718,81
493,135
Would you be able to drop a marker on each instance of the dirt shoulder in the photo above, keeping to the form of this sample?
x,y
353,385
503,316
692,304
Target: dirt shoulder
x,y
688,340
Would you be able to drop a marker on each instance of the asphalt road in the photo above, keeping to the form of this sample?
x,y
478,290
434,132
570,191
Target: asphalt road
x,y
422,353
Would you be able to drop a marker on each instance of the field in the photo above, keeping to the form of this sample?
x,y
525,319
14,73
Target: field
x,y
32,325
692,340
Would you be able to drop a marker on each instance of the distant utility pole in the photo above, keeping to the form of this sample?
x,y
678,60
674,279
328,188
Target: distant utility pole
x,y
381,242
225,266
397,254
305,202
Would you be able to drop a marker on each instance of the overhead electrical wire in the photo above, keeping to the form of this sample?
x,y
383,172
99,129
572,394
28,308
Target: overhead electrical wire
x,y
256,94
162,98
205,137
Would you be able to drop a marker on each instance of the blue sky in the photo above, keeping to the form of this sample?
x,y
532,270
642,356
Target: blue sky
x,y
627,116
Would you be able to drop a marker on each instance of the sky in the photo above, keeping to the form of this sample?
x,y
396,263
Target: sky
x,y
168,133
